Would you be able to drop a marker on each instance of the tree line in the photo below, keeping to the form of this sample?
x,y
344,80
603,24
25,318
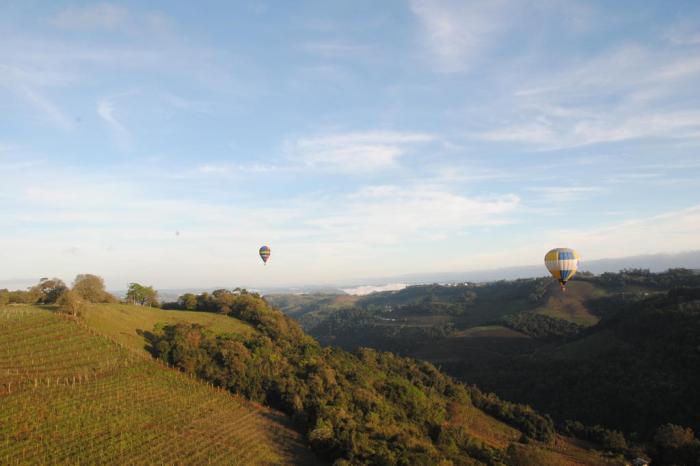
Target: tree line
x,y
86,288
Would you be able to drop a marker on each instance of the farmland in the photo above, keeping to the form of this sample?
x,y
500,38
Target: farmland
x,y
70,395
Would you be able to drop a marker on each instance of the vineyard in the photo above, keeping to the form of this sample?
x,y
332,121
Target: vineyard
x,y
71,396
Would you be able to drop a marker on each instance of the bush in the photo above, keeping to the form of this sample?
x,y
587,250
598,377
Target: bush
x,y
71,303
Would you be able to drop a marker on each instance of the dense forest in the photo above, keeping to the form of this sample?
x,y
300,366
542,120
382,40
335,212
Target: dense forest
x,y
367,407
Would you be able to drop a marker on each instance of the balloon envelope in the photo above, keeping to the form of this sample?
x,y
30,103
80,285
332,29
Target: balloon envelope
x,y
265,253
562,263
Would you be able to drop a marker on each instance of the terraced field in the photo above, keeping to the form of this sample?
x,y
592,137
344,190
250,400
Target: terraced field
x,y
71,396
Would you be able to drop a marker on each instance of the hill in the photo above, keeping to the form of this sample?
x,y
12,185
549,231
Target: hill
x,y
69,395
634,371
616,350
366,407
89,390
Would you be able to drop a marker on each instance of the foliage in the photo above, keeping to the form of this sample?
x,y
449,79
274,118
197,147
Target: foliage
x,y
142,295
520,416
48,290
70,302
91,288
611,440
541,326
676,445
355,327
369,407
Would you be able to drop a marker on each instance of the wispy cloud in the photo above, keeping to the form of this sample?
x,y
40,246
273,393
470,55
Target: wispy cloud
x,y
106,111
99,16
355,152
386,213
456,32
601,128
629,92
27,82
47,108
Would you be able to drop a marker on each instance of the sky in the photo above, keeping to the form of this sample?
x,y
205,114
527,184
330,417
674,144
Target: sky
x,y
355,138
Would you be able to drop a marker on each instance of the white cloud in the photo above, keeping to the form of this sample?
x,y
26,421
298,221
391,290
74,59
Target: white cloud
x,y
624,94
385,214
99,16
600,128
106,111
355,152
457,32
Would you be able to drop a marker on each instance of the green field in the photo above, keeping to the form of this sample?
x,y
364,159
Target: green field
x,y
127,324
68,395
571,304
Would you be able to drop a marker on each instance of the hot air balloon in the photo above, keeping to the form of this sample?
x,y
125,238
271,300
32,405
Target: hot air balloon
x,y
265,254
562,263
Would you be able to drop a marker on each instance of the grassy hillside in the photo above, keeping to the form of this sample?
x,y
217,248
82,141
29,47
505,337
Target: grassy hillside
x,y
129,325
70,395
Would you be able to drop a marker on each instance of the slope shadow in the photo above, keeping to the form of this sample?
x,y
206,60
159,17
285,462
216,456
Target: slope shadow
x,y
151,340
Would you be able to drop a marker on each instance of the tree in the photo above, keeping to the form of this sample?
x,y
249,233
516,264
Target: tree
x,y
71,303
4,297
91,288
143,295
49,290
676,445
188,301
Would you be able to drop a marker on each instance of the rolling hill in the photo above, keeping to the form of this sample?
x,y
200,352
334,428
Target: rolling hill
x,y
70,395
616,350
90,391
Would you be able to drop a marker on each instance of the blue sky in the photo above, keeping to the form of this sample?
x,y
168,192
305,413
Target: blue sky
x,y
357,139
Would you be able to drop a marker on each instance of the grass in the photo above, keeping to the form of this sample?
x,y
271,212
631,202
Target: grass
x,y
126,324
569,305
71,396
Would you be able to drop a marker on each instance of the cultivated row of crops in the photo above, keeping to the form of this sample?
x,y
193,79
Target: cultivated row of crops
x,y
70,396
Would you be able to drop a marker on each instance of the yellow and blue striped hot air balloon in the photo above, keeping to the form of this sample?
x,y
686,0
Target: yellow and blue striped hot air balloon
x,y
562,263
265,254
